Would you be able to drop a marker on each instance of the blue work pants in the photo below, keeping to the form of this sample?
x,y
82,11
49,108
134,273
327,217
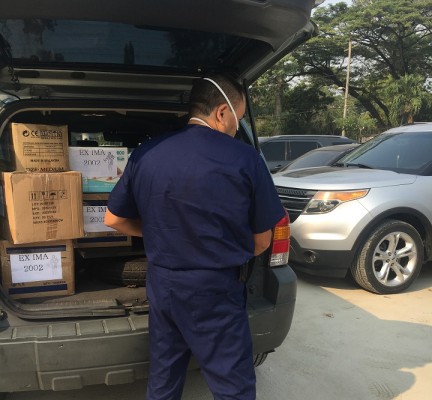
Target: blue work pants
x,y
199,312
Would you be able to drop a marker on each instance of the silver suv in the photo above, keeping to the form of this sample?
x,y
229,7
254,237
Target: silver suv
x,y
370,215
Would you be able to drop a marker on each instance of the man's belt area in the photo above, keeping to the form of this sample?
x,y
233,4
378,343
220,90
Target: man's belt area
x,y
245,271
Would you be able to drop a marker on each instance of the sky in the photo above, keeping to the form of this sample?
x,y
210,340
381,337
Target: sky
x,y
327,2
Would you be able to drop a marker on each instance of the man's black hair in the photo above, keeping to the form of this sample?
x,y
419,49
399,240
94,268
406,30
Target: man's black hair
x,y
205,96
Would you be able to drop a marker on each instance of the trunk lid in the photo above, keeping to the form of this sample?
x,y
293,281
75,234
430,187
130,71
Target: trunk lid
x,y
62,49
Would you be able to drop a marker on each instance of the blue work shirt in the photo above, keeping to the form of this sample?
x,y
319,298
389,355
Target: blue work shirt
x,y
201,195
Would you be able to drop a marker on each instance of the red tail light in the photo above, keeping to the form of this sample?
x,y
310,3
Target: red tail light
x,y
280,243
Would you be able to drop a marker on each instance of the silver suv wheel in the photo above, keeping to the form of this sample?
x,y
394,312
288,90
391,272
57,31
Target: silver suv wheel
x,y
390,259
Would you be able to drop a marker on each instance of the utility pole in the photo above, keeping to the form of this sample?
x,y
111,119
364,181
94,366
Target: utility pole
x,y
346,88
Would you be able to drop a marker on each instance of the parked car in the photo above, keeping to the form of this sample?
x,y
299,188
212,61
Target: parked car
x,y
369,216
322,156
282,149
117,74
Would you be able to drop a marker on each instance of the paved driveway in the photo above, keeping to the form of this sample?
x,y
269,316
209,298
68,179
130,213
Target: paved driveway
x,y
344,344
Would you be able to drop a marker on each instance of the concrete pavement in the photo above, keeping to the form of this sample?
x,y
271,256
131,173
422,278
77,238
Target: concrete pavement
x,y
344,344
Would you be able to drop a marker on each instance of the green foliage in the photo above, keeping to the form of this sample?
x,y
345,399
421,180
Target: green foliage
x,y
357,126
408,94
284,108
390,68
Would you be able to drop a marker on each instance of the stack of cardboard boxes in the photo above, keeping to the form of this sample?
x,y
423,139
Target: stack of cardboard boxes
x,y
101,168
42,211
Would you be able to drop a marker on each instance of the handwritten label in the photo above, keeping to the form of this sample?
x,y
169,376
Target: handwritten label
x,y
31,267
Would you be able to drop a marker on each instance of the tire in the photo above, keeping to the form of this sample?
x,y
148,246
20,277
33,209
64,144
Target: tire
x,y
259,359
390,259
130,272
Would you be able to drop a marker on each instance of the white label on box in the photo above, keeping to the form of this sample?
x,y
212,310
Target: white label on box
x,y
32,267
94,219
94,162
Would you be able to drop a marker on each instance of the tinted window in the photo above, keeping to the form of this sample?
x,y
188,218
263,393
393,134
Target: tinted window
x,y
297,149
64,41
274,151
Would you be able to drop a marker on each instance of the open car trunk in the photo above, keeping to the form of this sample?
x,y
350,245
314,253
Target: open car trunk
x,y
109,280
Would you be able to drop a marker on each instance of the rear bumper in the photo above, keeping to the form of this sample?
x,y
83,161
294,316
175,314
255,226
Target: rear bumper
x,y
65,355
71,355
271,323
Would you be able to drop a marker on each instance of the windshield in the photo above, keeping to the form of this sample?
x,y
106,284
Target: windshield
x,y
405,152
38,42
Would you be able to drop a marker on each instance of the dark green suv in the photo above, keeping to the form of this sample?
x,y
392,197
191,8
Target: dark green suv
x,y
117,73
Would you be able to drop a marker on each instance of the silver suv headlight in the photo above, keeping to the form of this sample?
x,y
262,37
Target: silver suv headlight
x,y
324,202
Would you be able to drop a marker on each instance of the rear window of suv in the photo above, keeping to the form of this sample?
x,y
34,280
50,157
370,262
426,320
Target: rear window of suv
x,y
91,42
285,150
297,149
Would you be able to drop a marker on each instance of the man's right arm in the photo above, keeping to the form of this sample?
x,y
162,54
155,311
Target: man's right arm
x,y
128,226
262,241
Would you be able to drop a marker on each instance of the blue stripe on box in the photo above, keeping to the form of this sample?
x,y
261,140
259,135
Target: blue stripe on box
x,y
103,239
102,203
37,249
37,289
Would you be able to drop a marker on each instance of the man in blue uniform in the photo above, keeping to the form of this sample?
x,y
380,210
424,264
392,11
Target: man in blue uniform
x,y
205,204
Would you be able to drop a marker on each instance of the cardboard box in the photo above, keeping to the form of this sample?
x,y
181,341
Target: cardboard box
x,y
39,207
96,233
39,148
101,167
37,269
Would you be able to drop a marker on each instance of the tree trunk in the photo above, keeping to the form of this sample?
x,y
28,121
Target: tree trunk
x,y
278,107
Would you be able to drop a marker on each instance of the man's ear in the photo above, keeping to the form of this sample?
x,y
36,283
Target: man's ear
x,y
221,110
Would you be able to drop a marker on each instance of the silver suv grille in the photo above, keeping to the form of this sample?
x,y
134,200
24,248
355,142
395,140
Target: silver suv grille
x,y
294,200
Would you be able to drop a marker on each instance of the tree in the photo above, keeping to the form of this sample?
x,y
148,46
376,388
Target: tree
x,y
407,96
357,125
391,37
391,40
284,107
267,95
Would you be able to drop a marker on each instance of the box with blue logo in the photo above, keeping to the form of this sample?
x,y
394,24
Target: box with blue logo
x,y
101,167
